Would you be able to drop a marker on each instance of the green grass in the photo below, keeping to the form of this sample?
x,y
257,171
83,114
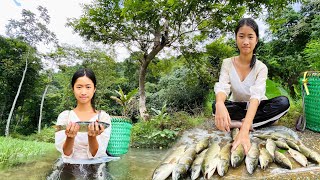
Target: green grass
x,y
16,151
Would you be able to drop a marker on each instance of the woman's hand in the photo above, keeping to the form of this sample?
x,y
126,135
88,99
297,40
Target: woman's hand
x,y
94,129
72,129
242,139
222,117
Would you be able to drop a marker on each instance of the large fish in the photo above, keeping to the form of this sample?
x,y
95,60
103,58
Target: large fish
x,y
166,167
310,154
196,165
252,158
175,155
234,133
201,145
83,126
292,144
282,135
163,171
265,136
300,158
210,160
271,147
237,156
224,159
264,157
282,144
282,160
184,163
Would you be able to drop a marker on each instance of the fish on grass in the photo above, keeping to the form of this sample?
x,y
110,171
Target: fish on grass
x,y
210,160
83,126
196,165
282,160
300,158
224,159
237,156
202,144
264,157
252,158
184,163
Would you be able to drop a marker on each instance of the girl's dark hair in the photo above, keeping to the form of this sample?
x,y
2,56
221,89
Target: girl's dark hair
x,y
251,23
88,73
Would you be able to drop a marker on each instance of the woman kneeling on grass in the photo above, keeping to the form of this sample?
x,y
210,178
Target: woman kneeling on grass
x,y
245,77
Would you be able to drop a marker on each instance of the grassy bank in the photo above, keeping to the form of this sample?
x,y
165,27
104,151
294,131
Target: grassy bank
x,y
15,151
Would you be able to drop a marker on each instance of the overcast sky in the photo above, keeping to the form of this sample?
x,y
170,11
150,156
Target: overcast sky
x,y
59,11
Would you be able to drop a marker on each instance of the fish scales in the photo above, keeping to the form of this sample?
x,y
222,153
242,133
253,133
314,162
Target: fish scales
x,y
201,145
184,163
300,158
224,159
282,160
252,159
237,156
196,165
271,147
210,161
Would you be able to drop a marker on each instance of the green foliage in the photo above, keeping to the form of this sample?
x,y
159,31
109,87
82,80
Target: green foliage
x,y
125,99
294,46
46,135
160,114
181,90
312,54
162,132
13,53
15,151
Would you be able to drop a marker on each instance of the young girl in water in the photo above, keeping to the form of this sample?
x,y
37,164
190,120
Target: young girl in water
x,y
78,146
245,78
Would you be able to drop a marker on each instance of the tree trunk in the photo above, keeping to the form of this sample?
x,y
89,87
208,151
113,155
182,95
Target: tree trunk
x,y
17,95
142,94
160,41
41,106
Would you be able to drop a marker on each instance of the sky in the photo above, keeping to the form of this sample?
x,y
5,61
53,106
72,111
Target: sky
x,y
59,11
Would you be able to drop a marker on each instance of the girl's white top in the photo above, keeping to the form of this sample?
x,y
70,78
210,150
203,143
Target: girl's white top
x,y
81,146
253,86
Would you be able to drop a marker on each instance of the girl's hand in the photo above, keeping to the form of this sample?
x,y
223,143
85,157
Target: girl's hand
x,y
94,129
242,139
222,117
72,129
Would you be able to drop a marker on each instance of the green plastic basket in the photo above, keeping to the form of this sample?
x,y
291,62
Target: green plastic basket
x,y
120,135
311,82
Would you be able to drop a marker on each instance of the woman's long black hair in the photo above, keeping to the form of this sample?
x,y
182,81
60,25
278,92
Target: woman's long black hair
x,y
88,73
251,23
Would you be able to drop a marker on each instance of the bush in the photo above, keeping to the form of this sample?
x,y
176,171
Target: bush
x,y
46,135
162,132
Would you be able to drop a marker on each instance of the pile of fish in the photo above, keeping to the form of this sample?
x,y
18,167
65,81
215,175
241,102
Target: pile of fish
x,y
204,158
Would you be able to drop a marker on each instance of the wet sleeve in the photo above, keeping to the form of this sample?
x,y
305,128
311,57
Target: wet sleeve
x,y
224,79
258,90
60,136
103,138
